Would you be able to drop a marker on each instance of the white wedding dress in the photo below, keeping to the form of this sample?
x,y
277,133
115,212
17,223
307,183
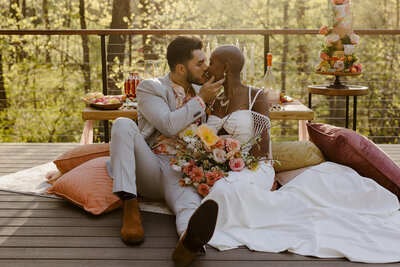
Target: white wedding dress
x,y
327,211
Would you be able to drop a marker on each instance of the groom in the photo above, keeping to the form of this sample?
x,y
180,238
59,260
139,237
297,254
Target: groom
x,y
140,154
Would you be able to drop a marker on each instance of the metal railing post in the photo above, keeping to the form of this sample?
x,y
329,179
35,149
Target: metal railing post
x,y
105,82
266,50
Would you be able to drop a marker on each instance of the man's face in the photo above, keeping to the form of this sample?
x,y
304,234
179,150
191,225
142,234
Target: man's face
x,y
196,68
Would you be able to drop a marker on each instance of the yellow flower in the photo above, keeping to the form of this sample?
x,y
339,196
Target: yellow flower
x,y
189,131
207,135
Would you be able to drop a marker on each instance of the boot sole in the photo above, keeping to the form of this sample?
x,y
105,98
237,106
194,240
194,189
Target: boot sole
x,y
133,242
201,225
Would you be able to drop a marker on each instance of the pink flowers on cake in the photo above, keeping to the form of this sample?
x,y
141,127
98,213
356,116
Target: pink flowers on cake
x,y
356,68
354,39
340,2
324,30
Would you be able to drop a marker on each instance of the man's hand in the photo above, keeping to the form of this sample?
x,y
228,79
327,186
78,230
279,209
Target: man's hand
x,y
209,90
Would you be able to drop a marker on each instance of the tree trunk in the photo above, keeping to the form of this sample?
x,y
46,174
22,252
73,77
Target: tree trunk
x,y
85,47
116,44
285,46
302,47
20,54
47,26
149,41
284,57
3,95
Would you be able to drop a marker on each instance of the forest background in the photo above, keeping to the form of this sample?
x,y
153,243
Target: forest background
x,y
43,77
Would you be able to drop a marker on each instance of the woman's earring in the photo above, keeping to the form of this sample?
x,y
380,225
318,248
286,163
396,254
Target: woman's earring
x,y
224,74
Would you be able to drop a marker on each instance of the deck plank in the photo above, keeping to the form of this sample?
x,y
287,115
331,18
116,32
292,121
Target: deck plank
x,y
40,231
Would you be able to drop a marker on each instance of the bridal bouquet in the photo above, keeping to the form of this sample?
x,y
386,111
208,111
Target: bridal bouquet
x,y
206,158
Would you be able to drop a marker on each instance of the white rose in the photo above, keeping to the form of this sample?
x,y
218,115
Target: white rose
x,y
331,38
176,168
349,50
187,180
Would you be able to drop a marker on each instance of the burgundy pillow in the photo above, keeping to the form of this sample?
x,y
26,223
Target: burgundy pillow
x,y
350,148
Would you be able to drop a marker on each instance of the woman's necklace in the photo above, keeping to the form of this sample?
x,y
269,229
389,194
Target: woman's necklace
x,y
221,97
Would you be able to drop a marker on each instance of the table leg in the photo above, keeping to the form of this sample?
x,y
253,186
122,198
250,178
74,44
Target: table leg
x,y
309,100
355,113
303,133
87,134
347,112
106,131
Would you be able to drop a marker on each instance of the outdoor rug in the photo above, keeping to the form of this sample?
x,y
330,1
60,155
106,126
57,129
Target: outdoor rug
x,y
33,182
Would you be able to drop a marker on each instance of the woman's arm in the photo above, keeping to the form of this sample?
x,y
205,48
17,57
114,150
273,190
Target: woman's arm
x,y
261,106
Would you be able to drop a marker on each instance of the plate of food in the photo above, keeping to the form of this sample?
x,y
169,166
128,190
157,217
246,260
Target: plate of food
x,y
101,101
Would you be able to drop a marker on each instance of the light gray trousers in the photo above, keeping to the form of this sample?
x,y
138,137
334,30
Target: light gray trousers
x,y
137,170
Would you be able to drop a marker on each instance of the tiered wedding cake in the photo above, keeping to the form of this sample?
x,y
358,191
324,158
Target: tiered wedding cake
x,y
338,51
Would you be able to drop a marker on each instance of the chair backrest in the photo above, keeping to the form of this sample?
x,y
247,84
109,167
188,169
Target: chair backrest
x,y
262,123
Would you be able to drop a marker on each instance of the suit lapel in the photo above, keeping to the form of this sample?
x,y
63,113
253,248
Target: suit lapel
x,y
166,81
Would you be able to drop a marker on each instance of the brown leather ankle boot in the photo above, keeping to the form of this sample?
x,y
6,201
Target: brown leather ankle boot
x,y
132,230
200,229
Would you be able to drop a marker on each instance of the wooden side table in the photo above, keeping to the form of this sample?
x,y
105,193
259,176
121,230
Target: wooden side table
x,y
89,114
352,90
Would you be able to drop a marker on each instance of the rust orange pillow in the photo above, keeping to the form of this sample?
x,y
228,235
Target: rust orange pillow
x,y
350,148
78,155
88,186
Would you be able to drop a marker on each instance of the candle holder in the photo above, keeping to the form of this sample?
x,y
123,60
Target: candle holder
x,y
252,81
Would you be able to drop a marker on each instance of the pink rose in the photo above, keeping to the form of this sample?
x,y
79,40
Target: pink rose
x,y
196,175
219,155
236,164
324,30
356,68
232,144
203,189
214,176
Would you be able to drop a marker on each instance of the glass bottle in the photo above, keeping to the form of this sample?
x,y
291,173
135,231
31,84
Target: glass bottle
x,y
269,82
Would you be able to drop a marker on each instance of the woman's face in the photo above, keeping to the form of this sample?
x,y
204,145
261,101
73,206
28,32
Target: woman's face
x,y
216,67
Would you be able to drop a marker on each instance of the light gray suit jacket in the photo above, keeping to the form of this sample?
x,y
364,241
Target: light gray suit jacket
x,y
157,113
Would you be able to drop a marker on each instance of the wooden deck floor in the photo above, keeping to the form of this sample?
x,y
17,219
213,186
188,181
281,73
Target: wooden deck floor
x,y
39,231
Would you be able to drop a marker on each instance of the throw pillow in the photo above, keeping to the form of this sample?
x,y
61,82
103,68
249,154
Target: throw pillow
x,y
89,186
78,155
295,155
285,177
347,147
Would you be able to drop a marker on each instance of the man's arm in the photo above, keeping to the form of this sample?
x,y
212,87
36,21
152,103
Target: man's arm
x,y
153,106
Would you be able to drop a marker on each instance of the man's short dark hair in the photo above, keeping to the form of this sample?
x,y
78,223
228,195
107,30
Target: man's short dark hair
x,y
180,50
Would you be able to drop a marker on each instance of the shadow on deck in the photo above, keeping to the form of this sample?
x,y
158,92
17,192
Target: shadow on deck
x,y
40,231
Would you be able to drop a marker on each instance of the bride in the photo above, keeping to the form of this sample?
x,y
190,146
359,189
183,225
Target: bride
x,y
327,211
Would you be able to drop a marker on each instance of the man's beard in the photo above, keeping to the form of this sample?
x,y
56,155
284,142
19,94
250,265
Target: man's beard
x,y
190,79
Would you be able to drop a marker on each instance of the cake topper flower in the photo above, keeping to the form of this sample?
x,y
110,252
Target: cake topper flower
x,y
324,30
354,39
331,38
340,2
349,50
339,65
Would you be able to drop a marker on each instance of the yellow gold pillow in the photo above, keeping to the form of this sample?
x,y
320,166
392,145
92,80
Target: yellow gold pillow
x,y
296,154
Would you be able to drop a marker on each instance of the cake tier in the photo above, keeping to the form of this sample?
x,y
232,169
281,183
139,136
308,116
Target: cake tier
x,y
341,16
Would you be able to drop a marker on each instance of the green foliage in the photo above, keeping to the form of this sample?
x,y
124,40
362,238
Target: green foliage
x,y
43,75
